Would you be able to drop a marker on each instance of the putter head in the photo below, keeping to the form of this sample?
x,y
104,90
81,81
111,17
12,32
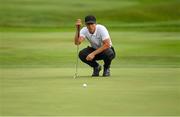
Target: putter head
x,y
75,75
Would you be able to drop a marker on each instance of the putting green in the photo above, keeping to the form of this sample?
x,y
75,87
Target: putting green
x,y
53,91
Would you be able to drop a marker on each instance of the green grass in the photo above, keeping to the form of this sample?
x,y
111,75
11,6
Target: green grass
x,y
37,71
53,91
119,14
37,59
44,49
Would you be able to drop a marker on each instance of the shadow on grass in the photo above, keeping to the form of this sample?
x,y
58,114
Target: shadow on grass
x,y
82,77
67,77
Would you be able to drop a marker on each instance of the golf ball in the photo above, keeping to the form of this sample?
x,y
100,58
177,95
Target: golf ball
x,y
84,85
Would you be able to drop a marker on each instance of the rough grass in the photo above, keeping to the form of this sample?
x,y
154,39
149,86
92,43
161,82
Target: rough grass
x,y
164,14
57,49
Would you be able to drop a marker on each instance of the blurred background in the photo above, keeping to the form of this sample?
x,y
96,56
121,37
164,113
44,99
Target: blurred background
x,y
161,15
144,32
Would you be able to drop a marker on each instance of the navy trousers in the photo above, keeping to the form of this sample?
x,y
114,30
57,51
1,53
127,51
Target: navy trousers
x,y
107,56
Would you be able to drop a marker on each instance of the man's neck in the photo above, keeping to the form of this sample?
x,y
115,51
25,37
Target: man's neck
x,y
93,31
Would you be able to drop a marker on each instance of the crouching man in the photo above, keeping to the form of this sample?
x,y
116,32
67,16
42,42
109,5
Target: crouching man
x,y
101,45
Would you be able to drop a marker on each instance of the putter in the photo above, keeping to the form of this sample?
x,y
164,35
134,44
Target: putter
x,y
77,52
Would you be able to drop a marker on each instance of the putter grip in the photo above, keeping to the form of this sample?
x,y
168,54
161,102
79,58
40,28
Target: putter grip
x,y
78,28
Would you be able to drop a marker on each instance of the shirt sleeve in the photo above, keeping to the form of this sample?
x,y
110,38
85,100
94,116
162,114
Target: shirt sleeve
x,y
83,32
104,33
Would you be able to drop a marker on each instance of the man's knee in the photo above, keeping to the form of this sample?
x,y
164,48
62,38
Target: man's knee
x,y
109,53
82,55
85,52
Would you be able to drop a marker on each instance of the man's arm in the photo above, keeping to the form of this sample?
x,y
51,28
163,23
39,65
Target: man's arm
x,y
106,45
77,38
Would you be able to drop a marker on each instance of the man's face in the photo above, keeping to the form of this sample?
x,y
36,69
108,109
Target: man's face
x,y
91,27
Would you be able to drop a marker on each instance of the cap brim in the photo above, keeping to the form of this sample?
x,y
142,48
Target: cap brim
x,y
90,22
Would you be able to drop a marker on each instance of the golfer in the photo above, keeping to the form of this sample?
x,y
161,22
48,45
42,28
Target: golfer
x,y
101,45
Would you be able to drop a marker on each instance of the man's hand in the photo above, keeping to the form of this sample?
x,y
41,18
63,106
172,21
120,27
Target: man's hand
x,y
90,57
77,38
78,23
